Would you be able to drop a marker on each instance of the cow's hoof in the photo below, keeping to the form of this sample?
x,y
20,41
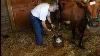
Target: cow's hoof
x,y
72,41
81,47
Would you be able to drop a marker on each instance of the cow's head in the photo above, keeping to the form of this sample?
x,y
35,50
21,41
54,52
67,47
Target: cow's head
x,y
92,7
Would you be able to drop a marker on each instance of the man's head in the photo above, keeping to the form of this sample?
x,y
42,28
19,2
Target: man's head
x,y
53,7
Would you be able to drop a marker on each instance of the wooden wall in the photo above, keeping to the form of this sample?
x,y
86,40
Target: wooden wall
x,y
19,11
5,20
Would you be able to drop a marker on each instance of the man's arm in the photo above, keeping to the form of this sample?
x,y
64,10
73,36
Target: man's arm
x,y
49,19
44,25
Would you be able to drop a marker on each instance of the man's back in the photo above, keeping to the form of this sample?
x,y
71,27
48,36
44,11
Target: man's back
x,y
39,9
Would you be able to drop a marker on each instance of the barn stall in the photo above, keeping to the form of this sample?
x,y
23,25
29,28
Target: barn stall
x,y
17,36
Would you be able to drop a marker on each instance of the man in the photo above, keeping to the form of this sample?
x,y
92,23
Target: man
x,y
38,17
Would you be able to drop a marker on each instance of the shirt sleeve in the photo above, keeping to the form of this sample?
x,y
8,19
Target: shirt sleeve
x,y
48,14
43,14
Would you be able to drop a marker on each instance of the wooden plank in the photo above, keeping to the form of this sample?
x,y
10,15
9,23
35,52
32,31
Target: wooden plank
x,y
11,14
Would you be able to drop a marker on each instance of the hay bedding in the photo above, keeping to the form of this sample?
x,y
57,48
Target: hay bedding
x,y
22,44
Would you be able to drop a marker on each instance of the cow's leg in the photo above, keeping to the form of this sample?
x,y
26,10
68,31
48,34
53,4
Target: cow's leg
x,y
73,30
81,34
81,28
81,41
73,33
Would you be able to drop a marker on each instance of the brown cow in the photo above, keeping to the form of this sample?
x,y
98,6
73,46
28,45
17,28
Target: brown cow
x,y
74,12
93,11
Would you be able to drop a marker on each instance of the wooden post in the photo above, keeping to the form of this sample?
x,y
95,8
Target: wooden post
x,y
11,15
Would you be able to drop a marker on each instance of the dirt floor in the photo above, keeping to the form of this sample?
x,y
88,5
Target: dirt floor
x,y
22,44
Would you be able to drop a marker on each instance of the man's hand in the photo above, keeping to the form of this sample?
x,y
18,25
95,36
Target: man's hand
x,y
52,25
48,30
49,20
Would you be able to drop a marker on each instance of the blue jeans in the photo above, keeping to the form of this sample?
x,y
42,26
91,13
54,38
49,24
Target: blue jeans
x,y
36,23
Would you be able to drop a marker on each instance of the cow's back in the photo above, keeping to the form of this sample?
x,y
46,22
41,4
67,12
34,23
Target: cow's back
x,y
71,11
